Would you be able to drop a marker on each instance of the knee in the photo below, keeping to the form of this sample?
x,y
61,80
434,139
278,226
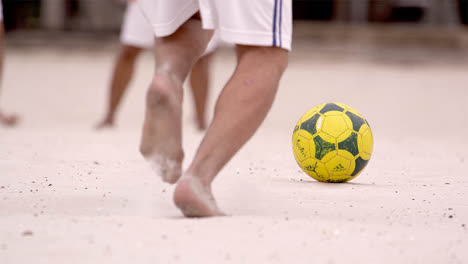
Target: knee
x,y
276,56
129,53
281,57
271,57
177,68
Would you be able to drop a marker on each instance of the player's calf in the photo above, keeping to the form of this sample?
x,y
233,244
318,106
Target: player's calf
x,y
161,142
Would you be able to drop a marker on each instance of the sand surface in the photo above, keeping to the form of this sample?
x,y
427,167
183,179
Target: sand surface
x,y
69,194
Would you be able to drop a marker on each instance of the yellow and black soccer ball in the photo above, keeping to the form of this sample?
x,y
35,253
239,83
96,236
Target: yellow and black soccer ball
x,y
332,142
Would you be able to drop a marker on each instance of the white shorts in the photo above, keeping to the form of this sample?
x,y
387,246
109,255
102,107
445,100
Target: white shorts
x,y
246,22
137,31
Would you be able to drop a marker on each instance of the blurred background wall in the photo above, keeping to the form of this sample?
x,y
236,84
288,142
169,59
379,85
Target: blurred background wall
x,y
106,15
78,15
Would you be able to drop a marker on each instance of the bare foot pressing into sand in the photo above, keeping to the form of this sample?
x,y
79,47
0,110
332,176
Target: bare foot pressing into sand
x,y
8,120
195,199
161,143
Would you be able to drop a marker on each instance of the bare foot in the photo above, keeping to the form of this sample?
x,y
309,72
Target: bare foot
x,y
8,120
161,143
195,199
106,123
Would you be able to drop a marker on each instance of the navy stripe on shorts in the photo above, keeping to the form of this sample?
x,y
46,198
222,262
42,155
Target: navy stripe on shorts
x,y
274,22
277,22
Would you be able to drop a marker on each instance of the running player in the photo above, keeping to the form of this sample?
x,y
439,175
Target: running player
x,y
5,119
261,31
136,36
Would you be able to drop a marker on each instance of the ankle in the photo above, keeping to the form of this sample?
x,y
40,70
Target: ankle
x,y
203,180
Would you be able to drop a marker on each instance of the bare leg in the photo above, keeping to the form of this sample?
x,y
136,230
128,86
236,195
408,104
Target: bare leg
x,y
5,119
123,72
161,142
240,109
199,83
